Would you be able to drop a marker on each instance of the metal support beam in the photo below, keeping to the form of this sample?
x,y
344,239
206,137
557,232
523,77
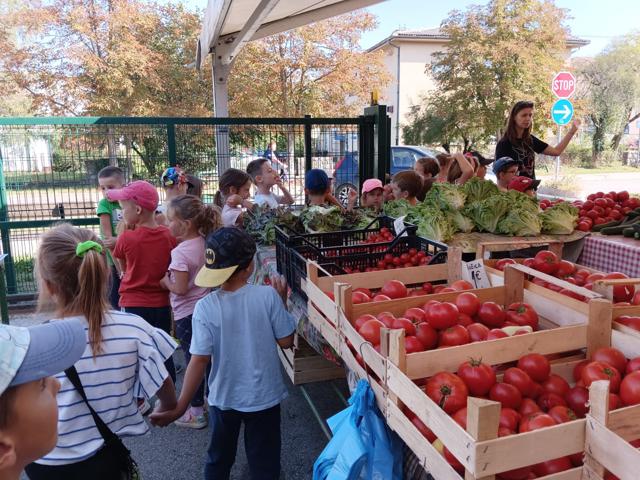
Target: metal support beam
x,y
221,110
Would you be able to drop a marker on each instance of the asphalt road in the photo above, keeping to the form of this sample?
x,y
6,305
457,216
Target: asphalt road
x,y
175,453
606,182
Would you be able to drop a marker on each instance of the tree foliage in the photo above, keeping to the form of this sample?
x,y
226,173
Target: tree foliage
x,y
498,53
612,92
318,69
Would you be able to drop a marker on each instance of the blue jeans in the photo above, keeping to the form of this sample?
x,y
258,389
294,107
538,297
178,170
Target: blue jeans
x,y
261,443
183,332
159,317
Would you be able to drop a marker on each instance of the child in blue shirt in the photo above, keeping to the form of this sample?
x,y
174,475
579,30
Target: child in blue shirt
x,y
238,328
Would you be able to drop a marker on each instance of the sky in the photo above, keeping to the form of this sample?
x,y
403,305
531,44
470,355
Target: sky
x,y
599,21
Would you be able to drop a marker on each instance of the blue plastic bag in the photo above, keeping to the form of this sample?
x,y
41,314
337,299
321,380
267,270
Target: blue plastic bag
x,y
362,447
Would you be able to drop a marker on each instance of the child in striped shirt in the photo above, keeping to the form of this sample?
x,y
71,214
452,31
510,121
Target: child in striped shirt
x,y
123,359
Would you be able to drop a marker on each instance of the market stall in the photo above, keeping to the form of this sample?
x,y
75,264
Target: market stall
x,y
612,254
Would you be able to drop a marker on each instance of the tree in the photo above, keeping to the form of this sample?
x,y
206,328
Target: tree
x,y
104,57
318,70
498,53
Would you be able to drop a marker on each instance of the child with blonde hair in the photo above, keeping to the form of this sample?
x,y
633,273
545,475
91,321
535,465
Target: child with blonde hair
x,y
190,221
123,359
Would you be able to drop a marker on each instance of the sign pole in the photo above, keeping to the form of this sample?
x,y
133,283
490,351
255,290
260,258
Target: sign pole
x,y
558,157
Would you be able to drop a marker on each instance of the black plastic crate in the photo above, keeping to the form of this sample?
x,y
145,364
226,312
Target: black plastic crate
x,y
288,240
356,258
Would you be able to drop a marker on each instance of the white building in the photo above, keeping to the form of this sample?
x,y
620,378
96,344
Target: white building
x,y
407,54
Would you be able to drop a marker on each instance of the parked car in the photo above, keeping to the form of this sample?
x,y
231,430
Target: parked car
x,y
346,174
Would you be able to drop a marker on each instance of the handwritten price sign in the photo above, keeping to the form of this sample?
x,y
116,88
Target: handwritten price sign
x,y
475,273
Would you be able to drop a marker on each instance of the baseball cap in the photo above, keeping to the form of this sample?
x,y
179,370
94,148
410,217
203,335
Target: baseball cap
x,y
504,162
142,193
173,176
28,354
316,180
227,249
371,184
522,184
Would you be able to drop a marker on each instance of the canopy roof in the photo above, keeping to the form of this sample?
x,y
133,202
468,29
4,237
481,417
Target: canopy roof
x,y
233,23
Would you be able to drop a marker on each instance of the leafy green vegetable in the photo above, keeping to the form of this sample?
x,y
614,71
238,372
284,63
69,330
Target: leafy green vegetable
x,y
521,223
260,222
446,196
561,219
477,189
460,222
487,213
431,222
397,208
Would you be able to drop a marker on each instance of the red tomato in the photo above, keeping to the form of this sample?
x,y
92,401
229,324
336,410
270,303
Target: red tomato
x,y
508,395
519,379
387,320
416,315
552,466
478,332
330,295
522,314
477,376
496,333
631,322
536,365
427,287
394,289
492,315
442,315
455,335
528,262
370,331
632,366
468,303
453,461
583,226
535,422
565,269
621,293
537,391
556,384
359,297
446,290
622,196
423,429
562,414
427,335
614,401
577,398
528,407
428,305
418,292
636,298
601,371
460,285
546,262
630,389
362,319
448,391
509,418
412,345
366,291
611,356
381,298
548,400
406,324
460,417
500,264
577,370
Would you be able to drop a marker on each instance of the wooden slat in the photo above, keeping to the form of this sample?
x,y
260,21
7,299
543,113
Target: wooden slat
x,y
555,281
626,422
454,264
514,286
508,245
373,359
629,310
494,352
322,302
483,418
573,474
515,451
560,309
599,333
458,441
614,453
328,331
627,344
598,410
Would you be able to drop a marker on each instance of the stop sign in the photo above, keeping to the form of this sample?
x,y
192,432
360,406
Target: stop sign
x,y
563,84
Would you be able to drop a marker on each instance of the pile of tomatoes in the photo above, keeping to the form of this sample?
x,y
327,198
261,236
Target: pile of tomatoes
x,y
532,397
603,207
446,324
549,263
384,235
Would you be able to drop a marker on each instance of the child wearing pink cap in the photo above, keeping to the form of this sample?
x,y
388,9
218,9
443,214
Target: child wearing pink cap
x,y
372,194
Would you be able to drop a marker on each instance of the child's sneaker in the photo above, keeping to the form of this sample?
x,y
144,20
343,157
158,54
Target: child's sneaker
x,y
189,420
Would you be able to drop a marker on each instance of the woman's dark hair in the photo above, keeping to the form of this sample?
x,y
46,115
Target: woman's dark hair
x,y
194,185
443,159
232,177
412,183
511,134
429,165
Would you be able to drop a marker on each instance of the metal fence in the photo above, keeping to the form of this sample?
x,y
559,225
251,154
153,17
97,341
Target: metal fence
x,y
49,166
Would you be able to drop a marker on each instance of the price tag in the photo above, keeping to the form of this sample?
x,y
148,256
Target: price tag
x,y
475,273
398,225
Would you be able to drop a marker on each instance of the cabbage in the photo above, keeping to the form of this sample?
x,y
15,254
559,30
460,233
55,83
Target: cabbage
x,y
487,213
446,196
434,226
460,222
397,208
520,223
319,219
561,219
477,189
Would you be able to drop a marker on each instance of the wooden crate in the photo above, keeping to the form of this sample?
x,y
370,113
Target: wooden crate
x,y
393,373
607,437
448,272
304,365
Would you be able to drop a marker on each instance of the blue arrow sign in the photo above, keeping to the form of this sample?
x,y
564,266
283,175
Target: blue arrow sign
x,y
562,111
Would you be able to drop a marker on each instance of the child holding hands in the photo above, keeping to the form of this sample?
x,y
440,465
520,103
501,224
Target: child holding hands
x,y
239,328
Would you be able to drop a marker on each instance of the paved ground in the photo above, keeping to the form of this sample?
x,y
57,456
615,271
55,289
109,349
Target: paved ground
x,y
606,182
174,453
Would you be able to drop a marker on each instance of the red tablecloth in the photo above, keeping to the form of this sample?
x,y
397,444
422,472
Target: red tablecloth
x,y
612,254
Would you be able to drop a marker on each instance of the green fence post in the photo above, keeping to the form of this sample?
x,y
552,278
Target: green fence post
x,y
171,143
307,144
5,232
4,308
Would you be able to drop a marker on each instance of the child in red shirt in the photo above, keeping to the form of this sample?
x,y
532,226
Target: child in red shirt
x,y
145,254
